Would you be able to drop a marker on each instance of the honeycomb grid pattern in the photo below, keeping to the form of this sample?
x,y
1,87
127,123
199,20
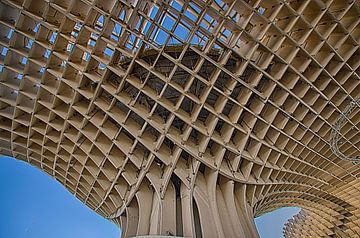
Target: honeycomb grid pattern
x,y
187,118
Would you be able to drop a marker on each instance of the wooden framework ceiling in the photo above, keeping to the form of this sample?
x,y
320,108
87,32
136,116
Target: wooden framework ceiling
x,y
188,117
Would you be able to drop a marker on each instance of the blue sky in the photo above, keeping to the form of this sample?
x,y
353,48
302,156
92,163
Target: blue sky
x,y
271,224
33,205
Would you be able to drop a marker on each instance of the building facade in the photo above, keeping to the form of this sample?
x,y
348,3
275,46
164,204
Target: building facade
x,y
189,118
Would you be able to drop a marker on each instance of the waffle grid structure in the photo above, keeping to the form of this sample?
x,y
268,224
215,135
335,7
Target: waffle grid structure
x,y
188,118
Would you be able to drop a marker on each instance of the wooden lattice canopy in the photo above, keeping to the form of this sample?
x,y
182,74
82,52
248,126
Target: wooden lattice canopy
x,y
188,118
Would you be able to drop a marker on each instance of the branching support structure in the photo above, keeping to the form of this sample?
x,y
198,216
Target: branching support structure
x,y
189,117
